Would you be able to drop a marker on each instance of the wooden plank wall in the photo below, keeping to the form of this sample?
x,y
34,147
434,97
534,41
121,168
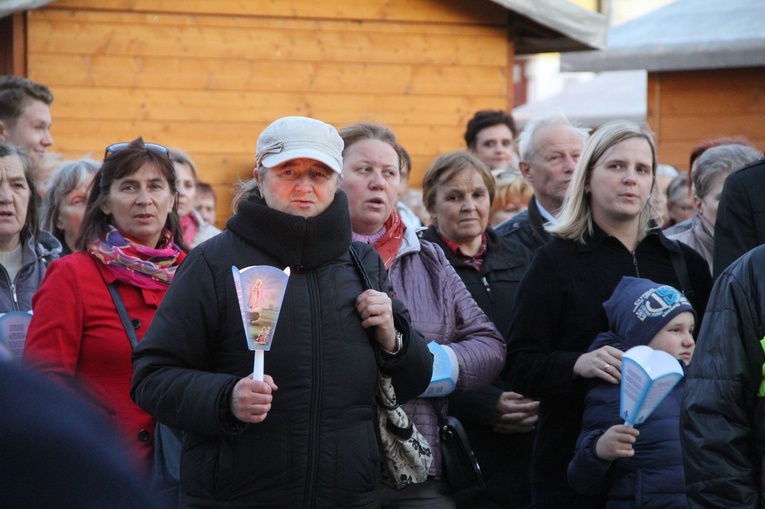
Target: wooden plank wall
x,y
687,107
208,76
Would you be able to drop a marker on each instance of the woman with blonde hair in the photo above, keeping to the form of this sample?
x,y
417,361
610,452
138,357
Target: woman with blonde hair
x,y
46,169
605,231
512,193
195,229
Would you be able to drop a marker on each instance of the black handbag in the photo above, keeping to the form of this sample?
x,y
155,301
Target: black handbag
x,y
461,467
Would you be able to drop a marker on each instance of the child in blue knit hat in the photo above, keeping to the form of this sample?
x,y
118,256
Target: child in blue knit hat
x,y
636,466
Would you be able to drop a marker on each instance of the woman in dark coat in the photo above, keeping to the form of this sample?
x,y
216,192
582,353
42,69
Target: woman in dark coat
x,y
458,190
311,442
605,231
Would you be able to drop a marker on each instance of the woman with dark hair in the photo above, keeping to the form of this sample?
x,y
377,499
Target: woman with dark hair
x,y
490,136
130,247
25,251
63,205
442,309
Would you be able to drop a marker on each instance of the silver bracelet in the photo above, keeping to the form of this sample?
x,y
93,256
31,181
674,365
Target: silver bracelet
x,y
399,344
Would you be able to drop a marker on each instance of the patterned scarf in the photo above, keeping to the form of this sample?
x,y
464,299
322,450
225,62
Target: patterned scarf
x,y
389,242
136,264
189,228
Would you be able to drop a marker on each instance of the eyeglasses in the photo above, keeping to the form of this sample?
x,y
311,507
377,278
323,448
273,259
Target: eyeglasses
x,y
116,147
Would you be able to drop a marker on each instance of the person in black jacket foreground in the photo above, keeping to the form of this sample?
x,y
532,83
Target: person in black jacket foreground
x,y
312,442
604,232
722,427
458,190
58,451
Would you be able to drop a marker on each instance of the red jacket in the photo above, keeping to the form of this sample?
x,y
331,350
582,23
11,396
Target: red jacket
x,y
77,338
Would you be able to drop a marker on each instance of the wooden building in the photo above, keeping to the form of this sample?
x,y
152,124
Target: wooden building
x,y
706,71
207,76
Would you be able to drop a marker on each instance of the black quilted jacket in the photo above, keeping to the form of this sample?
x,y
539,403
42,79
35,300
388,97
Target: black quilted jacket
x,y
317,447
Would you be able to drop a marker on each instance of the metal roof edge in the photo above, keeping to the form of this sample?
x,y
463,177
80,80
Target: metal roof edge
x,y
667,58
8,7
578,27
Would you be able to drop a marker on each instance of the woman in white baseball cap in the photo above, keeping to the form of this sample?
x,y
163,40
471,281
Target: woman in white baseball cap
x,y
312,442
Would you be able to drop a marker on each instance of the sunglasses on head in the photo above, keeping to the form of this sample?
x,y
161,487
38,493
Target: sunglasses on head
x,y
116,147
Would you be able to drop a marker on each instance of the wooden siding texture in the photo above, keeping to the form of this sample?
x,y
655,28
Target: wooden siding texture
x,y
207,76
685,108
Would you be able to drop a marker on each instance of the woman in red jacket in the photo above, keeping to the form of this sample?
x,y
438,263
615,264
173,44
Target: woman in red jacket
x,y
129,240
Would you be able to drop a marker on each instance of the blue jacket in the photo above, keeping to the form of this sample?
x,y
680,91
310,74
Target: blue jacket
x,y
653,477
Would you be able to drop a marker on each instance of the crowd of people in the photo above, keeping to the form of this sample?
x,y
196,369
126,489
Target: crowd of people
x,y
533,259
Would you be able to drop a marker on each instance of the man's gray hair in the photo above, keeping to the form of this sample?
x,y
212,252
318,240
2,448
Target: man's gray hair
x,y
526,147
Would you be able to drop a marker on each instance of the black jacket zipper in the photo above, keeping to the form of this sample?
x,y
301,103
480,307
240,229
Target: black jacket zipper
x,y
315,419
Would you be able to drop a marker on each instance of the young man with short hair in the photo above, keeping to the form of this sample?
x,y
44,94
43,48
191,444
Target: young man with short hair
x,y
25,115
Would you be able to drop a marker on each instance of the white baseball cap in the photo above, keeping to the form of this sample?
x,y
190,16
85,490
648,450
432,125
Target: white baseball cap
x,y
300,137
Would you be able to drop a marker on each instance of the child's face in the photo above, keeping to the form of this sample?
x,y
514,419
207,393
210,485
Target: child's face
x,y
676,337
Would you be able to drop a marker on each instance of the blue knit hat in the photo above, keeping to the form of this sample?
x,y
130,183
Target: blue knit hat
x,y
637,310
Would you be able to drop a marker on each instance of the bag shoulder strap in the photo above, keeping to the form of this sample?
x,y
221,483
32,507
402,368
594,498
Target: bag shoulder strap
x,y
681,270
129,329
361,269
438,412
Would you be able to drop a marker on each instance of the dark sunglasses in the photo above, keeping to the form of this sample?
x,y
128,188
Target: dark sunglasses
x,y
116,147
